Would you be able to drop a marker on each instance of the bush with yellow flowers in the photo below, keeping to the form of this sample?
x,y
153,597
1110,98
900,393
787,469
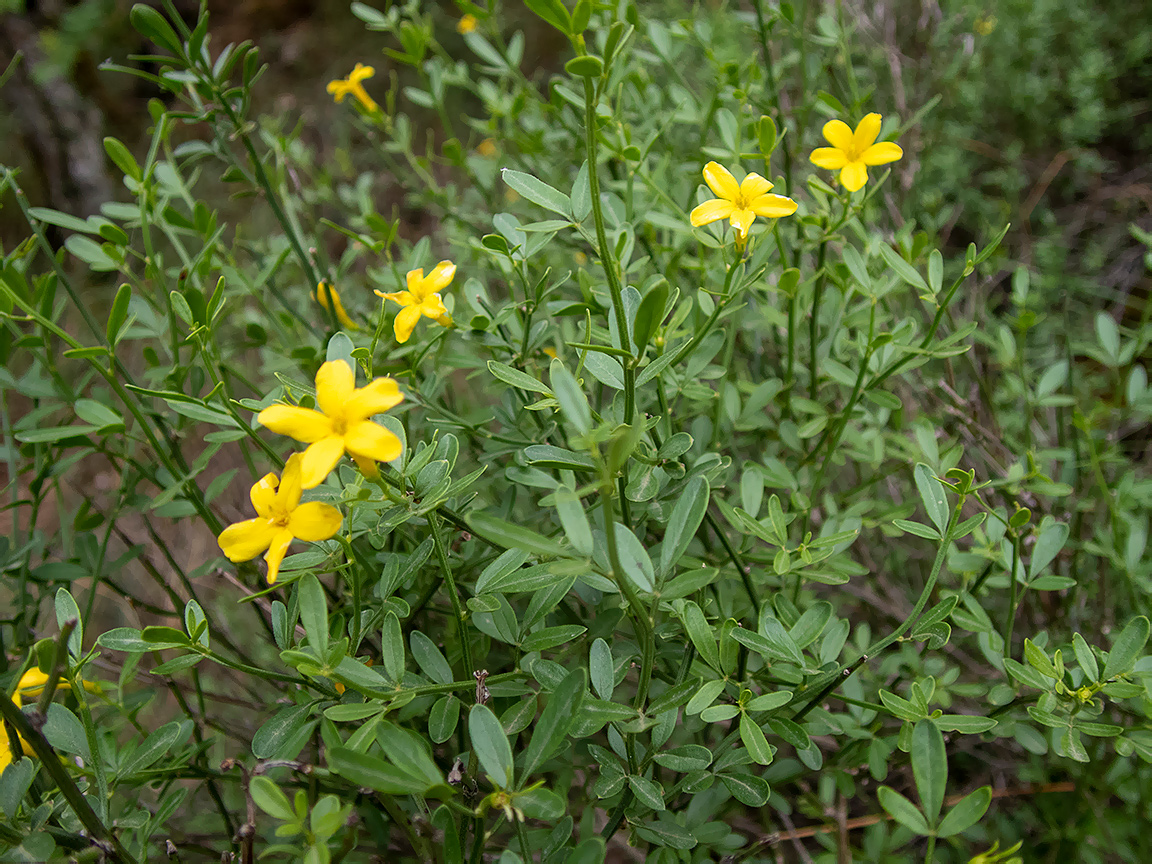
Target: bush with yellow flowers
x,y
660,519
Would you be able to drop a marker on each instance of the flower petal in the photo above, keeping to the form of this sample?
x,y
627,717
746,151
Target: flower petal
x,y
264,493
882,153
710,211
839,135
742,221
405,322
303,424
772,206
721,181
314,521
334,385
404,298
866,132
319,460
288,495
433,307
372,441
753,186
275,554
360,72
245,540
414,279
440,277
376,397
831,158
853,176
367,466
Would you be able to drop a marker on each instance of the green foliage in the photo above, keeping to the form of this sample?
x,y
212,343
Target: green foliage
x,y
696,539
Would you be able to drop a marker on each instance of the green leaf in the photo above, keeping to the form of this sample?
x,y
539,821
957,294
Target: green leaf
x,y
391,647
429,658
548,456
491,745
701,634
903,269
154,747
118,313
268,797
365,770
968,811
443,717
674,697
1128,646
513,536
573,403
282,732
601,669
689,757
687,514
314,613
538,192
550,637
67,610
1085,658
902,810
932,496
770,701
554,12
585,66
1039,661
703,697
555,721
748,789
591,851
634,560
665,832
929,767
122,157
1051,540
516,378
647,792
151,24
649,314
753,737
574,520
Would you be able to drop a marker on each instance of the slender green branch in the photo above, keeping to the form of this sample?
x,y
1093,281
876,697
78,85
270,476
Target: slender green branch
x,y
453,595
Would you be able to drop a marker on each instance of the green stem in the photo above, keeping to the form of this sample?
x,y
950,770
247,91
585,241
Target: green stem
x,y
1013,599
453,595
814,320
607,259
639,613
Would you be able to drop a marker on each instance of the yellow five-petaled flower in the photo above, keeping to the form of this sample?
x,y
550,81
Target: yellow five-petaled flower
x,y
329,298
422,299
740,203
341,425
853,151
281,518
466,25
351,85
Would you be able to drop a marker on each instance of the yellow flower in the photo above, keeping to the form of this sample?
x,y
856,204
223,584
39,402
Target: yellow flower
x,y
281,519
466,24
740,203
852,152
324,291
31,685
487,148
985,24
422,299
340,426
351,85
